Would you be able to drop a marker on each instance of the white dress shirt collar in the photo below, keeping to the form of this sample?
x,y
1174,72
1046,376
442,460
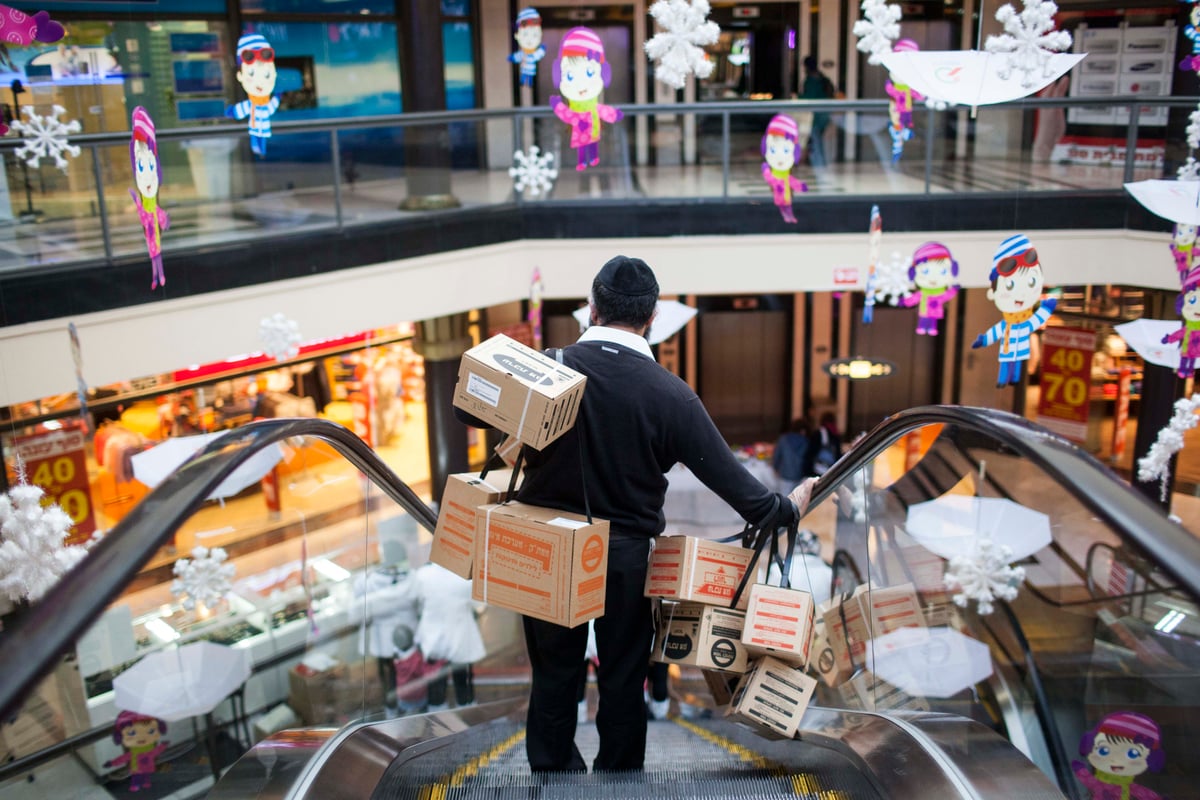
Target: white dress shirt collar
x,y
601,333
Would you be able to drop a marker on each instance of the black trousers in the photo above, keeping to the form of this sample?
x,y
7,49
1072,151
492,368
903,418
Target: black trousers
x,y
464,685
556,654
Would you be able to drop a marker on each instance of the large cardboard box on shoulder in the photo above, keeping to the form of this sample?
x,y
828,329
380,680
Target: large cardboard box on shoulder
x,y
518,390
773,694
454,537
779,623
540,562
703,636
686,568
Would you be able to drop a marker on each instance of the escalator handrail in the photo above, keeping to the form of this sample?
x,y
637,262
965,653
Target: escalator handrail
x,y
38,635
1083,477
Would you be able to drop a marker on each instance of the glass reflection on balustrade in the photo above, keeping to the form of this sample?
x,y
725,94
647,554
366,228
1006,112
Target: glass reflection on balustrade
x,y
324,578
987,591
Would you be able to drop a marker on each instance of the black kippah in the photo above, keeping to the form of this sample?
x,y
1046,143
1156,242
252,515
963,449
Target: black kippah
x,y
631,277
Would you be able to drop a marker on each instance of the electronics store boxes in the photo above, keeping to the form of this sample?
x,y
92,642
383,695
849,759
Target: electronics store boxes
x,y
702,636
685,568
542,562
518,390
773,694
870,611
454,537
779,623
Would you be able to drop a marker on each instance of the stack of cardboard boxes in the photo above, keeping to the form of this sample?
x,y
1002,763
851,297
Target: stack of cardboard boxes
x,y
541,562
757,654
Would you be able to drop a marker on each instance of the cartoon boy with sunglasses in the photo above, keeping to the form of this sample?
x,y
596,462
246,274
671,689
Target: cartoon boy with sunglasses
x,y
256,73
1017,282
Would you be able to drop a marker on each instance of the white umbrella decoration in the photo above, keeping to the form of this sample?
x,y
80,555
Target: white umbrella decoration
x,y
180,683
152,466
1178,201
671,317
929,662
1145,337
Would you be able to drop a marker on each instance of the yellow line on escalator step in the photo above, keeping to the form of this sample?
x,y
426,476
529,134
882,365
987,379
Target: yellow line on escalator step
x,y
437,791
803,784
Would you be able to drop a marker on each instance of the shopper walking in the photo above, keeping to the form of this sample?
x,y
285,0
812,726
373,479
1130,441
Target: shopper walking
x,y
817,86
635,422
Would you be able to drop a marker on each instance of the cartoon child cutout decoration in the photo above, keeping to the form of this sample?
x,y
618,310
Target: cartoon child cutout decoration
x,y
1191,63
581,73
933,270
1124,745
1183,248
1187,306
529,40
147,174
141,736
1017,282
900,106
780,149
256,73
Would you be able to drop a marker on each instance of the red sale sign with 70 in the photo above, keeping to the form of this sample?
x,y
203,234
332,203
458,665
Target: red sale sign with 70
x,y
1066,380
57,462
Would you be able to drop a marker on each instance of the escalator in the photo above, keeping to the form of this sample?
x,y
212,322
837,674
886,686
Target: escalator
x,y
1103,622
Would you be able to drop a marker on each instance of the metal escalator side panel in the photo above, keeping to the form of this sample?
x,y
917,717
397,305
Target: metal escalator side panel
x,y
272,767
919,754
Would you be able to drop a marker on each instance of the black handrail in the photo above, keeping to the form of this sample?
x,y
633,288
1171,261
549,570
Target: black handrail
x,y
41,633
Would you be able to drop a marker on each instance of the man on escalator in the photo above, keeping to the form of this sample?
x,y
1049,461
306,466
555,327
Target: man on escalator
x,y
635,422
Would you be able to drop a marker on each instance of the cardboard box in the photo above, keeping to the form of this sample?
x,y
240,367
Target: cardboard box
x,y
921,567
779,623
336,695
54,710
454,537
890,608
773,694
518,390
507,450
876,694
709,637
846,632
541,562
720,685
822,660
685,568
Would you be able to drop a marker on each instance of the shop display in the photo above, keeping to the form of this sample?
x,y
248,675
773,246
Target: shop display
x,y
677,48
581,73
781,150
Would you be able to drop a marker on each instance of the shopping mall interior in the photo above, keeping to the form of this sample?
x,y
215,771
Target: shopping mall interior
x,y
247,373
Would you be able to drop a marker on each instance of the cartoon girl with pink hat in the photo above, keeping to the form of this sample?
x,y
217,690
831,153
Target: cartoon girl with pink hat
x,y
780,149
901,102
581,74
141,736
933,270
1124,745
1187,306
147,174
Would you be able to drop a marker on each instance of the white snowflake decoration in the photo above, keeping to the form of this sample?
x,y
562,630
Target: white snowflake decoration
x,y
936,104
533,170
1190,171
45,137
983,577
1030,40
1193,129
891,280
1156,464
204,579
677,49
32,552
280,336
878,29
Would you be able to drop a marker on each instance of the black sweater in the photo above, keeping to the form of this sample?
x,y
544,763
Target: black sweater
x,y
638,421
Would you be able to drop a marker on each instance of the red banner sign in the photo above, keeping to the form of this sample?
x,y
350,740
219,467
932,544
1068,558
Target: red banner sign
x,y
57,462
1066,379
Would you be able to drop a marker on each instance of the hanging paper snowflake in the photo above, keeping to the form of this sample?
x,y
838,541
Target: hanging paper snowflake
x,y
204,579
985,576
280,336
533,170
891,280
1030,40
878,29
45,137
1156,464
33,555
1190,171
936,104
677,49
1193,129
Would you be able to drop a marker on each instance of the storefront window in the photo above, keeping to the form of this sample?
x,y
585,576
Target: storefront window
x,y
319,6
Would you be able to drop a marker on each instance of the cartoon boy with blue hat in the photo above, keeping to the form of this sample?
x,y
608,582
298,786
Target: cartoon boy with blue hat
x,y
1017,282
256,73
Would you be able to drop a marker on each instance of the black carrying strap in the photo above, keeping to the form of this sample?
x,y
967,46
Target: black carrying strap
x,y
579,432
758,537
491,462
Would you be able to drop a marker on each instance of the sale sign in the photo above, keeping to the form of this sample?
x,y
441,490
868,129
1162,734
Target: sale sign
x,y
1066,379
57,462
